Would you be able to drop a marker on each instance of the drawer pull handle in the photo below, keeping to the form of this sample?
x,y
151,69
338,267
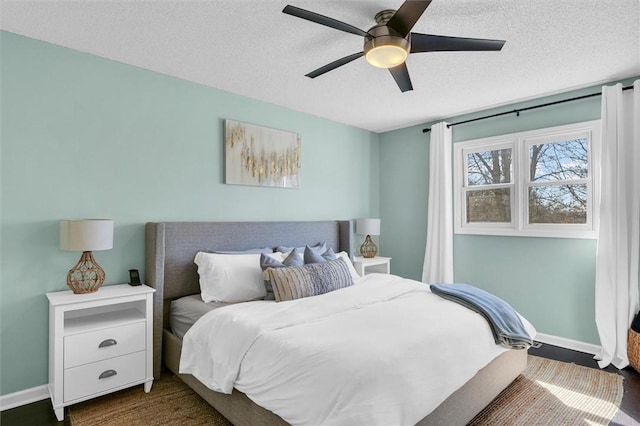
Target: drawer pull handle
x,y
107,343
107,373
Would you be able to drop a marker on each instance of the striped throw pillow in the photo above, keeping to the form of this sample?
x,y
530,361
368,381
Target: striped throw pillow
x,y
309,280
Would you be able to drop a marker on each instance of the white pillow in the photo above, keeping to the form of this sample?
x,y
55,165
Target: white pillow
x,y
230,277
352,270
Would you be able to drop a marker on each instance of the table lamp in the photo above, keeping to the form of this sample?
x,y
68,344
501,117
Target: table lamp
x,y
86,235
368,227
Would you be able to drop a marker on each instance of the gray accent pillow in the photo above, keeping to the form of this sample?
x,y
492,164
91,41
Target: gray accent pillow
x,y
315,256
321,247
309,280
293,259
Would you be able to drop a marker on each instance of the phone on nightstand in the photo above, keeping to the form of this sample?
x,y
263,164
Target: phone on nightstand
x,y
134,277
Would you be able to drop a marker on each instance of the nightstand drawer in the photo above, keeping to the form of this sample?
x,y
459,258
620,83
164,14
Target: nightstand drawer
x,y
101,376
85,348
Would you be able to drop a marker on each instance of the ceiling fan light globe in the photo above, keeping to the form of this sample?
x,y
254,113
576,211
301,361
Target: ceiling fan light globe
x,y
385,48
388,56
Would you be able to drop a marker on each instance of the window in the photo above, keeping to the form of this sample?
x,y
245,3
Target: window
x,y
536,183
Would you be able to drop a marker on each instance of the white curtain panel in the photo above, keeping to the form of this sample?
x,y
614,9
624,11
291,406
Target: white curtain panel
x,y
619,233
438,257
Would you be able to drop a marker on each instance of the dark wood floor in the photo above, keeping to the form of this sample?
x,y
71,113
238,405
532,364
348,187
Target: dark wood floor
x,y
41,413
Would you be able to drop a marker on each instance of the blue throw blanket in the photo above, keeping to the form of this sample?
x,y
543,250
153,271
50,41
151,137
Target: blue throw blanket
x,y
505,323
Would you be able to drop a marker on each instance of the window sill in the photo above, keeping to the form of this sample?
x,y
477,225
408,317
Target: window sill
x,y
584,235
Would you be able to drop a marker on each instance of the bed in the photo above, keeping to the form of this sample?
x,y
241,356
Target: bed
x,y
170,251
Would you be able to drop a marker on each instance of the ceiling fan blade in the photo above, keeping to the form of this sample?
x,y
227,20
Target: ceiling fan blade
x,y
335,64
322,20
401,76
437,43
407,15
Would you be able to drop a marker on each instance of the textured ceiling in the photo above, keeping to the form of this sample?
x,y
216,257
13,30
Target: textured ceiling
x,y
251,48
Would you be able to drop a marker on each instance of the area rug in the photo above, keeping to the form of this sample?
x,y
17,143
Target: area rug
x,y
555,393
547,393
170,402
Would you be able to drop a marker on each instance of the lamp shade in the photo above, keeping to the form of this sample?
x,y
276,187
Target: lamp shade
x,y
368,226
86,234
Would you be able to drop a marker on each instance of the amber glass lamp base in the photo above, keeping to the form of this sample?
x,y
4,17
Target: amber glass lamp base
x,y
368,249
87,276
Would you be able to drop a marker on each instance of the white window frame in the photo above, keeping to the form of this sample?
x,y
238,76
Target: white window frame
x,y
520,144
492,144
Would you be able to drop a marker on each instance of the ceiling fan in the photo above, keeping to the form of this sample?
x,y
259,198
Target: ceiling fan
x,y
388,43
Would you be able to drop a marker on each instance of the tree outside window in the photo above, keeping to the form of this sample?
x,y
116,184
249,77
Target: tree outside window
x,y
558,172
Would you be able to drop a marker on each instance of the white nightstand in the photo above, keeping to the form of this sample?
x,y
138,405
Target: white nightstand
x,y
376,264
99,343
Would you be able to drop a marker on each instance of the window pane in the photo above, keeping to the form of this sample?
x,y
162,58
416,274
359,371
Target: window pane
x,y
559,160
558,204
489,167
491,205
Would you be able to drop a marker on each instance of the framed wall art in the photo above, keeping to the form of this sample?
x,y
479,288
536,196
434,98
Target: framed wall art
x,y
261,156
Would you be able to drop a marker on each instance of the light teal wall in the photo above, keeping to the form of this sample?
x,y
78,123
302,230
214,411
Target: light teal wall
x,y
550,281
85,137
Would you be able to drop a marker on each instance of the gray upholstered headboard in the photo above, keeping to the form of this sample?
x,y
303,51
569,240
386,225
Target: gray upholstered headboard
x,y
172,246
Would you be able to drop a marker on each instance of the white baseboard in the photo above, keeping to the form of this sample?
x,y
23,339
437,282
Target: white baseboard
x,y
23,397
575,345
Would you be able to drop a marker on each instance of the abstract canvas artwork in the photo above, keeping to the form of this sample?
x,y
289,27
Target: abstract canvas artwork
x,y
261,156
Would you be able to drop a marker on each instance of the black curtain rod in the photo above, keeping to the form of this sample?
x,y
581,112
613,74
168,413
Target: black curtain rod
x,y
518,111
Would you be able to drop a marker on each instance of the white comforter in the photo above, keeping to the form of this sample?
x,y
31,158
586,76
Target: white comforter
x,y
384,351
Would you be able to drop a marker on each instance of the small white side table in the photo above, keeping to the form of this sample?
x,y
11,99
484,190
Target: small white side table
x,y
99,343
378,264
